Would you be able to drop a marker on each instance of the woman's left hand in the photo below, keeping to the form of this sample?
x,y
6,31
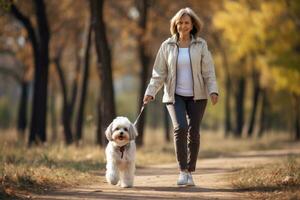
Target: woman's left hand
x,y
214,98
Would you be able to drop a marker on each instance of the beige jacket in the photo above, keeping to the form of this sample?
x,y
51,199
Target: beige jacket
x,y
165,65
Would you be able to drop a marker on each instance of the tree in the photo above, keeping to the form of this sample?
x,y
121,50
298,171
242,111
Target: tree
x,y
228,85
106,98
39,38
67,105
21,77
84,84
283,50
251,29
225,21
144,60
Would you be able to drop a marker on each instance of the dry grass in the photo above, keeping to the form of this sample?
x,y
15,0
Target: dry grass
x,y
39,169
276,181
213,144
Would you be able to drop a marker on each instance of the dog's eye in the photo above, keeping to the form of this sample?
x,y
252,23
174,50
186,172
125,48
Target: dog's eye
x,y
125,129
117,128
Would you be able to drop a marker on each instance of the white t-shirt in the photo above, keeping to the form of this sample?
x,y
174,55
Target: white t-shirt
x,y
184,79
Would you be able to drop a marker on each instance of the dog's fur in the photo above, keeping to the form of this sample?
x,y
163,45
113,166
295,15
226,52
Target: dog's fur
x,y
120,167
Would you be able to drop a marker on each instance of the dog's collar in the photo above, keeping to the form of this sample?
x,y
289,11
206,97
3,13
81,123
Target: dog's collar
x,y
122,149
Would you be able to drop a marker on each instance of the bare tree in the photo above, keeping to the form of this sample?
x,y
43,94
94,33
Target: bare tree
x,y
67,105
24,85
84,84
142,7
39,38
255,98
106,99
228,84
239,105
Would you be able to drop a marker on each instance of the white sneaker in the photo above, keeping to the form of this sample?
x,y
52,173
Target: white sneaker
x,y
183,178
190,181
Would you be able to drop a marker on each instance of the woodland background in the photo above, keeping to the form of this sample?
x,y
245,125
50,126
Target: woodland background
x,y
67,68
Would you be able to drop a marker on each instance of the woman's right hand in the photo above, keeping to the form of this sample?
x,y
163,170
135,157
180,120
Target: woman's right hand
x,y
147,99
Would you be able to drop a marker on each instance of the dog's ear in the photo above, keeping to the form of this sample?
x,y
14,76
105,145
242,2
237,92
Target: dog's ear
x,y
108,132
132,132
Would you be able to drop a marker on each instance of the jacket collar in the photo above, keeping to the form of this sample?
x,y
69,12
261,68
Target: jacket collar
x,y
174,39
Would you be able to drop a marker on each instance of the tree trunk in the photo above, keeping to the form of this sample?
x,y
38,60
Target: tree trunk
x,y
84,86
104,65
297,116
144,60
22,109
228,85
228,127
240,96
74,85
39,40
227,120
99,132
22,113
256,92
39,103
263,113
52,109
66,114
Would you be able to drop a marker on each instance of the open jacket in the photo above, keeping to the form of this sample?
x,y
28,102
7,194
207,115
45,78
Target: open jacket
x,y
165,70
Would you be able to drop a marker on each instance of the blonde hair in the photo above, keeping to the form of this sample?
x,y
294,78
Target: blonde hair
x,y
196,21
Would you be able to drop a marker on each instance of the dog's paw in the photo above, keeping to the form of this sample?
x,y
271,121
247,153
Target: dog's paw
x,y
126,183
123,185
111,179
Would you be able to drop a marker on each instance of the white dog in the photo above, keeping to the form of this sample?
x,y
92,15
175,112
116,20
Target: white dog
x,y
120,152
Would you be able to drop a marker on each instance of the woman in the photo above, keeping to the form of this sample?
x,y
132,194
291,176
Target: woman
x,y
185,67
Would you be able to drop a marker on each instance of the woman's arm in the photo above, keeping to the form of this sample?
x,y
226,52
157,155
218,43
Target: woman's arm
x,y
159,74
208,71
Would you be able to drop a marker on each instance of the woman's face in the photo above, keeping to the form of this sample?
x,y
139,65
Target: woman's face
x,y
184,25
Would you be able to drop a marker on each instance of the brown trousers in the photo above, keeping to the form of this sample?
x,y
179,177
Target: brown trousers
x,y
186,115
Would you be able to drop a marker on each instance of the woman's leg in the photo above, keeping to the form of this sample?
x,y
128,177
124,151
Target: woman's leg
x,y
195,111
177,113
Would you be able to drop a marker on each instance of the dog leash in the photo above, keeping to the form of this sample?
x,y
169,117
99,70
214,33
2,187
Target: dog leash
x,y
137,119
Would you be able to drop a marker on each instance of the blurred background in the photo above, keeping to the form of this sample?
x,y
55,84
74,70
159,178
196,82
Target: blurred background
x,y
67,68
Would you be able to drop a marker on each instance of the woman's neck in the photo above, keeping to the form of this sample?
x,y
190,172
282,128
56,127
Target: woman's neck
x,y
184,40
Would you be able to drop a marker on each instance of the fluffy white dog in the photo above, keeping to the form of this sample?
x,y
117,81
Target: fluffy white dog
x,y
120,152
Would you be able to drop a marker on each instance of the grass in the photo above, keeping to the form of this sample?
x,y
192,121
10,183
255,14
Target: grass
x,y
24,171
213,144
44,168
276,181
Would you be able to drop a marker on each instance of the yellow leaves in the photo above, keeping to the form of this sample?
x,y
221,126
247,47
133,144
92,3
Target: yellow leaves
x,y
286,78
272,8
228,19
280,77
262,65
240,27
268,30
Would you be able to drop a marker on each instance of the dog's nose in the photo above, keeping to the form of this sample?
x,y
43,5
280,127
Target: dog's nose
x,y
121,133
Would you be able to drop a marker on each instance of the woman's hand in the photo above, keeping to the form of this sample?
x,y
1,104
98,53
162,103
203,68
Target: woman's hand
x,y
214,98
147,99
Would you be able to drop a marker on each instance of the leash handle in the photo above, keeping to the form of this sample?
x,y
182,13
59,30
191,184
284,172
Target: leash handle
x,y
141,111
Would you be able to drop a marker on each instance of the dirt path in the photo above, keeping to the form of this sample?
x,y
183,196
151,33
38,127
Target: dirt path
x,y
159,181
